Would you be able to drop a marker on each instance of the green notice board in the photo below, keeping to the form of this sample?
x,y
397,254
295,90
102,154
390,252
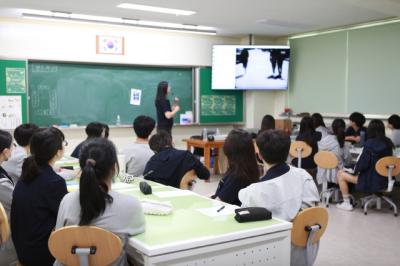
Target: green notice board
x,y
64,93
218,106
13,83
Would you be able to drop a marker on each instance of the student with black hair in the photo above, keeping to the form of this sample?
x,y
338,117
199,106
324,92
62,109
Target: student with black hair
x,y
8,256
284,189
138,153
267,123
93,130
95,203
356,128
242,166
319,124
165,114
308,134
36,198
168,165
22,135
366,178
334,142
394,126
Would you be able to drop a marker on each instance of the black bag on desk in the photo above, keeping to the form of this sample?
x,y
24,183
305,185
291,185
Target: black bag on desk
x,y
252,214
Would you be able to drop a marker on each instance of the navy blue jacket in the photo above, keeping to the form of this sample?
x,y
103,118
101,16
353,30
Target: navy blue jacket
x,y
33,216
368,179
228,189
170,165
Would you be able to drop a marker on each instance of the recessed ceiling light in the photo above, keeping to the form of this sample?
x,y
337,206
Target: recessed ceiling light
x,y
157,9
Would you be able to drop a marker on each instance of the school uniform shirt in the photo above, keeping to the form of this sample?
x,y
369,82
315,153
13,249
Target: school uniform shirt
x,y
8,256
323,130
33,215
123,217
228,189
368,179
13,165
136,157
282,194
170,165
330,143
163,106
351,132
308,162
77,151
395,137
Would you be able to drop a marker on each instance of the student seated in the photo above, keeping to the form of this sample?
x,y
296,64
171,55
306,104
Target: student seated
x,y
319,124
334,142
93,130
311,137
267,123
36,198
394,126
95,203
168,165
356,128
139,153
366,178
242,166
284,189
22,135
8,256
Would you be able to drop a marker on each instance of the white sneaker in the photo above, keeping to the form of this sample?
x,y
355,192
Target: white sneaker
x,y
345,206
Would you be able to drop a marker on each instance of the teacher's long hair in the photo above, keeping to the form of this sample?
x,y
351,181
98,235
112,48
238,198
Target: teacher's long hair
x,y
98,161
162,90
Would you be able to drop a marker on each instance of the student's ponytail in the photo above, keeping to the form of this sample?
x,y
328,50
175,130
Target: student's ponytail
x,y
97,160
44,145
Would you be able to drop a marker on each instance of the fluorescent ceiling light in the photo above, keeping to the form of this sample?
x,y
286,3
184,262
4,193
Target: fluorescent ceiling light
x,y
65,16
157,9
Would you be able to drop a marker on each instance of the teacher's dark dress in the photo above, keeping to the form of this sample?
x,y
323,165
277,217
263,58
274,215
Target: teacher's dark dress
x,y
164,123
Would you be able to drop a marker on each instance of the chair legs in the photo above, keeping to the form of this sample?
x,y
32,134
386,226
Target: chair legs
x,y
326,195
378,201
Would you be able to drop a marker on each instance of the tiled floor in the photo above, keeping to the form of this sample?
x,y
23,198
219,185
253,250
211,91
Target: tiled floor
x,y
351,237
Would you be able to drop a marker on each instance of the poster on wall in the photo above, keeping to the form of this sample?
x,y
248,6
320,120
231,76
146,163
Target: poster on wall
x,y
15,80
10,112
109,45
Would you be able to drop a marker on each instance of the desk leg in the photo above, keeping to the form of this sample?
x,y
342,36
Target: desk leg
x,y
207,159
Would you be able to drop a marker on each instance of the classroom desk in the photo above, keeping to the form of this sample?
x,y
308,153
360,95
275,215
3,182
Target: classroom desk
x,y
189,237
206,145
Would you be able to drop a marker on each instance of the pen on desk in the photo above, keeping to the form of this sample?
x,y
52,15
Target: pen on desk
x,y
220,209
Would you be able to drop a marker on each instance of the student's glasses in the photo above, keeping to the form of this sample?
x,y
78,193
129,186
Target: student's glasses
x,y
65,143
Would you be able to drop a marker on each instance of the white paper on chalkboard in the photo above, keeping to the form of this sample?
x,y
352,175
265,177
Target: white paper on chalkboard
x,y
136,96
10,112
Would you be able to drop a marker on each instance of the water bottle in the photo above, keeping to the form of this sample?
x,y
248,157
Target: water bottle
x,y
204,134
118,120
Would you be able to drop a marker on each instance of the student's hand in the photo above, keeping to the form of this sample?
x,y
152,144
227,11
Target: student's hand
x,y
176,108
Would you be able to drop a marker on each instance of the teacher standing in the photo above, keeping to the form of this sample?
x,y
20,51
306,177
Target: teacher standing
x,y
165,114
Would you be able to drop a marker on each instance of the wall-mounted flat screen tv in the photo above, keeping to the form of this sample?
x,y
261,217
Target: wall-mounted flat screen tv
x,y
250,67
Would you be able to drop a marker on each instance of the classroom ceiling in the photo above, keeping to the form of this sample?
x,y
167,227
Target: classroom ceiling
x,y
232,17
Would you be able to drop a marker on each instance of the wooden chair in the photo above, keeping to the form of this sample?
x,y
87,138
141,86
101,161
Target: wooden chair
x,y
4,226
308,227
390,167
327,160
299,149
84,245
188,180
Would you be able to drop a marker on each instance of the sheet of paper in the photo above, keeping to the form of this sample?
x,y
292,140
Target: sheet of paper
x,y
136,96
174,193
10,112
213,211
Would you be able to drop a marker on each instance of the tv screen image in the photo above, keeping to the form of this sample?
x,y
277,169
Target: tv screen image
x,y
250,67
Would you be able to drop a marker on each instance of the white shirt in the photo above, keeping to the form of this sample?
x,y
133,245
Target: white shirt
x,y
284,196
136,157
13,165
395,137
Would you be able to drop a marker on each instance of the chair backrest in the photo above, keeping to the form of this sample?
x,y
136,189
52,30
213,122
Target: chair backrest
x,y
326,159
300,148
307,218
388,165
188,179
4,226
61,242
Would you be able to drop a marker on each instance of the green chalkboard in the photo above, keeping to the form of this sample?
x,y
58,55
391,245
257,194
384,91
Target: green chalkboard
x,y
218,106
64,93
